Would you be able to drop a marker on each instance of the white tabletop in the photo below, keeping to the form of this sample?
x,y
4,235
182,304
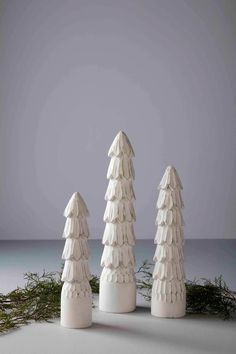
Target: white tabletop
x,y
137,332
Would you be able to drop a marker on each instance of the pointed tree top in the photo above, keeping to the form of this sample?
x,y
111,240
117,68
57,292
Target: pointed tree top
x,y
120,146
76,207
170,179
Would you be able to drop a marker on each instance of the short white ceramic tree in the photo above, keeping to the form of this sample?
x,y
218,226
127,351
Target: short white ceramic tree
x,y
168,290
117,282
76,297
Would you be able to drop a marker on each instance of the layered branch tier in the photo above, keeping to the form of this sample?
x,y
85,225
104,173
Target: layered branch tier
x,y
121,146
168,291
171,180
169,198
119,234
76,274
168,271
76,207
169,234
120,167
169,217
76,227
75,289
118,275
120,189
119,238
119,256
76,271
75,249
118,211
165,253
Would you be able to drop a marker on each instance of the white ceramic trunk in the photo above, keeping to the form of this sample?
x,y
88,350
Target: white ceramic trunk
x,y
76,312
168,310
117,297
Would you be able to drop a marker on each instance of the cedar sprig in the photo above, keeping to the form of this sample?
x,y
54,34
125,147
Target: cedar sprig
x,y
210,297
39,300
203,296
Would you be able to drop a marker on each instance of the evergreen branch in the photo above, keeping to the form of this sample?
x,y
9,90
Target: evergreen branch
x,y
39,300
203,296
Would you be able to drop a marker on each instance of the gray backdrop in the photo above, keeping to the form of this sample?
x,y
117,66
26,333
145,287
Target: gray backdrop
x,y
74,73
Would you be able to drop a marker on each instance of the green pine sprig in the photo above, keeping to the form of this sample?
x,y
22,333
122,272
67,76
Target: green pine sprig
x,y
203,296
39,299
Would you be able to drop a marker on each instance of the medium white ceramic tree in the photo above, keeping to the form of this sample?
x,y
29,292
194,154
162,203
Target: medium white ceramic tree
x,y
168,290
76,298
117,282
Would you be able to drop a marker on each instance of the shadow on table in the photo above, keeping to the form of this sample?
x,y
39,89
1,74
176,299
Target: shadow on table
x,y
162,331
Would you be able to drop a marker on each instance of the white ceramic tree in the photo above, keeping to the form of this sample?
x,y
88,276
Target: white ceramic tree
x,y
117,282
168,290
76,298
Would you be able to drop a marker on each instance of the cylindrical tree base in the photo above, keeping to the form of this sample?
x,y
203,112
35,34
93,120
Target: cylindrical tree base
x,y
168,310
76,312
117,297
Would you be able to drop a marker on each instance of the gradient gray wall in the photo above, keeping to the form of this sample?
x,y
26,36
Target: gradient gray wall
x,y
74,73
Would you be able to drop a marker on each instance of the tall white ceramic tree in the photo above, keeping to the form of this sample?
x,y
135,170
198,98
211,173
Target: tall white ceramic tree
x,y
117,283
76,298
168,290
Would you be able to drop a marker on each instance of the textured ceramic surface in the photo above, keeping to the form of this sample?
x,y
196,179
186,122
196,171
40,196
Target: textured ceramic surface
x,y
117,284
168,290
76,299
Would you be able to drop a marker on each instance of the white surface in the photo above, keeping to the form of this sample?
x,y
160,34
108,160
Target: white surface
x,y
137,332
